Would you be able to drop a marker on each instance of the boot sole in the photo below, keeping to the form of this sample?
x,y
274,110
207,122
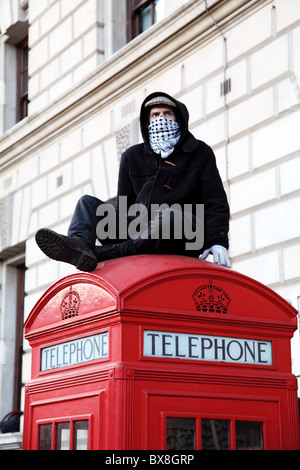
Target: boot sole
x,y
56,247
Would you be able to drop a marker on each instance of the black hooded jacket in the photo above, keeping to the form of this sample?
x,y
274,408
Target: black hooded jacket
x,y
188,176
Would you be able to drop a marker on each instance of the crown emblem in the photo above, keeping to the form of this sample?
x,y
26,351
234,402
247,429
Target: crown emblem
x,y
69,306
211,299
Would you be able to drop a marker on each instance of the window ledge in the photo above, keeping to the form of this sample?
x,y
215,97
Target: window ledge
x,y
11,441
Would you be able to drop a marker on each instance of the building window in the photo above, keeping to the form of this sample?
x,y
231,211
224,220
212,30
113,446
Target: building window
x,y
20,281
142,14
22,107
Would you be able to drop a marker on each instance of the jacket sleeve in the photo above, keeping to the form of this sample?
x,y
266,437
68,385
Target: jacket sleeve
x,y
125,186
216,208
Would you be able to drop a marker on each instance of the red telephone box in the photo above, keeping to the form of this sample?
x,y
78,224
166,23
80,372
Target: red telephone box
x,y
161,352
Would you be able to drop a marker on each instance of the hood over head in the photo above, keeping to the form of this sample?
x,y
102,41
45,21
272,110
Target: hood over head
x,y
163,99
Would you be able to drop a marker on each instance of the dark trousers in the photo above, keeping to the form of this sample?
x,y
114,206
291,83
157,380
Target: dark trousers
x,y
84,225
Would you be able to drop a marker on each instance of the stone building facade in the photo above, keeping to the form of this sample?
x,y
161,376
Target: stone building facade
x,y
234,63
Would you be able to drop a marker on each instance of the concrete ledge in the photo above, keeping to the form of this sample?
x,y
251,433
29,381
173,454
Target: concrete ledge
x,y
11,441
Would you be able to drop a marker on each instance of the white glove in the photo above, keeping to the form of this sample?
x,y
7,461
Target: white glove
x,y
220,255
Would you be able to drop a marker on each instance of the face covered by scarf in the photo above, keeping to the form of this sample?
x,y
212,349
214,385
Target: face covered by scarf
x,y
163,136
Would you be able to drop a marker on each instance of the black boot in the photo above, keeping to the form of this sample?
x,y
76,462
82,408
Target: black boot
x,y
70,250
118,250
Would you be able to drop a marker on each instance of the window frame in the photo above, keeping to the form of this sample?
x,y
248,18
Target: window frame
x,y
133,14
232,420
22,76
71,420
20,287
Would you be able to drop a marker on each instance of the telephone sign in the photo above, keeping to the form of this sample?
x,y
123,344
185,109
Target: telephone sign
x,y
75,352
206,348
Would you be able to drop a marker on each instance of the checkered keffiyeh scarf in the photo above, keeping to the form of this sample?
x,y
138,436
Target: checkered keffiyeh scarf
x,y
163,136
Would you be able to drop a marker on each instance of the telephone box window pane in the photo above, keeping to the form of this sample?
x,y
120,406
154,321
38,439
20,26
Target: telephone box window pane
x,y
62,441
45,436
215,434
249,435
180,434
81,435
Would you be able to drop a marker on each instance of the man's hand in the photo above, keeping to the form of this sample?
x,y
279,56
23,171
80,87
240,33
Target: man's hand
x,y
220,255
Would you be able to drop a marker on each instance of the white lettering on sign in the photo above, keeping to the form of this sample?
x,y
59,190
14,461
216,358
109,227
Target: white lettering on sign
x,y
206,348
75,352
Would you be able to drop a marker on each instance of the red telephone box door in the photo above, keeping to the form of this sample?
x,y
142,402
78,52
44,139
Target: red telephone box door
x,y
68,423
205,425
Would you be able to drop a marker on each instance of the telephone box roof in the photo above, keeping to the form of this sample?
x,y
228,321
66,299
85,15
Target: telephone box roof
x,y
163,283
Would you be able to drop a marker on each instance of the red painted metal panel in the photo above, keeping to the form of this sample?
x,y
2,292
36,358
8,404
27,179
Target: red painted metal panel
x,y
144,339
